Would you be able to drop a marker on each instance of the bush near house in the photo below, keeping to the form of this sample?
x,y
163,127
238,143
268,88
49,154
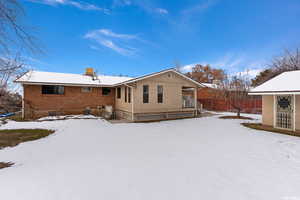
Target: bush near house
x,y
9,101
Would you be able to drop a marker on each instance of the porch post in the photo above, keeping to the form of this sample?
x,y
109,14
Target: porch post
x,y
274,110
294,101
132,101
195,98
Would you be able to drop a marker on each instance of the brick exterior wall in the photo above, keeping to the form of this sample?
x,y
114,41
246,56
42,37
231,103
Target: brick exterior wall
x,y
73,101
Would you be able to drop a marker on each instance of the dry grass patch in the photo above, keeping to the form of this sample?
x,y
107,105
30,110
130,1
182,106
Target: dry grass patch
x,y
13,137
235,117
5,164
258,126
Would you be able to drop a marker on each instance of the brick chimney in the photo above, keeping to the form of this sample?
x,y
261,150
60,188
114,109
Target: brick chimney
x,y
89,71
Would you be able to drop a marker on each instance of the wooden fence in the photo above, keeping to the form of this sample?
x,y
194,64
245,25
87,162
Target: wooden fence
x,y
251,105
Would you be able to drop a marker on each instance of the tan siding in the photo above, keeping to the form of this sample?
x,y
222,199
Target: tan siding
x,y
297,112
267,110
172,97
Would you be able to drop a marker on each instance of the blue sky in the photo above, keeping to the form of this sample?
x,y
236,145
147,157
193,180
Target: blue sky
x,y
135,37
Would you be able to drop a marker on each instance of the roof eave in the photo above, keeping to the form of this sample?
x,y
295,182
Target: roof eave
x,y
158,73
296,92
63,84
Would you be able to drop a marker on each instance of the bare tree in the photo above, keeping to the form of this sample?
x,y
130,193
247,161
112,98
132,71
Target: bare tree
x,y
12,31
10,101
235,91
15,39
10,68
288,61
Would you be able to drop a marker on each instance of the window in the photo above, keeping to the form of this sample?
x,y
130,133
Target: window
x,y
119,93
160,94
86,89
145,93
125,94
284,112
129,95
53,89
106,91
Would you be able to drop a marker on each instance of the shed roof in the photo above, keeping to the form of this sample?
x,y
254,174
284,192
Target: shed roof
x,y
211,85
287,82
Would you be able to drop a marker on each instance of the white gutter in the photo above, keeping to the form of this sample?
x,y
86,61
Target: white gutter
x,y
63,84
274,93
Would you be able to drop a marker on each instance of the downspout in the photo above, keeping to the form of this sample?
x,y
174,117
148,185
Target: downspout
x,y
195,99
132,101
23,103
294,128
274,110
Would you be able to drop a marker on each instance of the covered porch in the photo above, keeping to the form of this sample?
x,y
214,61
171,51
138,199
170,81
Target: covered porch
x,y
189,97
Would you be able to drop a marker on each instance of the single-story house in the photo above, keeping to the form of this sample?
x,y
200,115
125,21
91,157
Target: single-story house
x,y
281,101
166,94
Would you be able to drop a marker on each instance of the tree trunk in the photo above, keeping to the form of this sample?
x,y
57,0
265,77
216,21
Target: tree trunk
x,y
239,113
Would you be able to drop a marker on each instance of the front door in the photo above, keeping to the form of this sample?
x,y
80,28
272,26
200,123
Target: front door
x,y
284,112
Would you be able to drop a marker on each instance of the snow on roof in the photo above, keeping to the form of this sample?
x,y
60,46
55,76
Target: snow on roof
x,y
210,85
53,78
285,82
38,77
161,72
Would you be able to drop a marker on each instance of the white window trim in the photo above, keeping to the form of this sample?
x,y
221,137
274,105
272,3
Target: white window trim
x,y
86,91
275,114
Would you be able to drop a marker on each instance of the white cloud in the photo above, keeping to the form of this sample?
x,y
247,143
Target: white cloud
x,y
250,73
78,4
233,64
114,41
162,11
117,3
109,33
229,61
110,44
186,20
145,5
187,68
198,8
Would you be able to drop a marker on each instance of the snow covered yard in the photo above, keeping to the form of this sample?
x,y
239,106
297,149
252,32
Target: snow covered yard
x,y
204,158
